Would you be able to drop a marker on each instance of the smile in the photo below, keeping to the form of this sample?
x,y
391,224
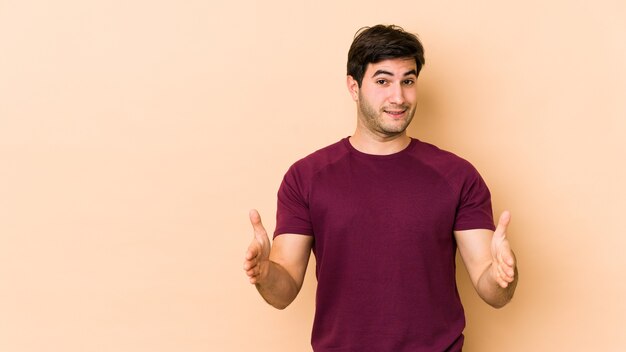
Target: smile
x,y
395,112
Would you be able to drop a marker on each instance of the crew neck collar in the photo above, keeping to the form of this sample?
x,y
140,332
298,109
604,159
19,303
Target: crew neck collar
x,y
354,151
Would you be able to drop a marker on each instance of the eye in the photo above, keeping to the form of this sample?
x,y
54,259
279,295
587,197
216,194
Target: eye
x,y
381,81
408,82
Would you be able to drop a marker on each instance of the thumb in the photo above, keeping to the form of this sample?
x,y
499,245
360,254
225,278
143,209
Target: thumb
x,y
257,226
503,223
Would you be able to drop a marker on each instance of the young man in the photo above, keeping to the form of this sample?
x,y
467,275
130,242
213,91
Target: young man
x,y
384,215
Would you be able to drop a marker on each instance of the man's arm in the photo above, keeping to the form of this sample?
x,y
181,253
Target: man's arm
x,y
276,270
490,262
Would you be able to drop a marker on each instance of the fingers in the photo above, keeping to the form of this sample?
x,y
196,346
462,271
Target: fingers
x,y
505,255
253,251
502,278
256,258
505,267
504,259
253,274
251,262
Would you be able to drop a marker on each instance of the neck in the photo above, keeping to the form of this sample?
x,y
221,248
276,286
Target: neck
x,y
370,143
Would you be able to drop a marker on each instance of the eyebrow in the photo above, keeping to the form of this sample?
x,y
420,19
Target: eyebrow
x,y
383,72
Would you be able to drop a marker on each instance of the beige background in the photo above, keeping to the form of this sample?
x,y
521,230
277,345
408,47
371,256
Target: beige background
x,y
136,135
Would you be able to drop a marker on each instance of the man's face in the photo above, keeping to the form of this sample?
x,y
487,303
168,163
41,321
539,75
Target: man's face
x,y
387,97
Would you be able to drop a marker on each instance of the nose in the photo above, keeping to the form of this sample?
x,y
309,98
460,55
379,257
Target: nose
x,y
396,94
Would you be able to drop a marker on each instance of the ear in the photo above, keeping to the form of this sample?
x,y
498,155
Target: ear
x,y
353,87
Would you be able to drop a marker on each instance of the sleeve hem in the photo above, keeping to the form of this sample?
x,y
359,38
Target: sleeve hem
x,y
293,230
486,226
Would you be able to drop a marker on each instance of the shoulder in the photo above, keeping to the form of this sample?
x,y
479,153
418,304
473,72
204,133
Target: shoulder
x,y
439,159
459,173
300,176
320,159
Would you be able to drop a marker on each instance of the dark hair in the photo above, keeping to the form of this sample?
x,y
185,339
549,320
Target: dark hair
x,y
378,43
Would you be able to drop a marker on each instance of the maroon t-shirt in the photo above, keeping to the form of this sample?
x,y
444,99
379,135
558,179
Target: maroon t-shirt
x,y
384,245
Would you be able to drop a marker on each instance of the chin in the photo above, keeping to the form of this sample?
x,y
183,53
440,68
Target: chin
x,y
392,132
394,129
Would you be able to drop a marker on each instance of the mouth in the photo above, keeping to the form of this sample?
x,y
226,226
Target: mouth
x,y
395,113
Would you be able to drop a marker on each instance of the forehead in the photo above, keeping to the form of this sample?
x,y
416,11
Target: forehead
x,y
395,66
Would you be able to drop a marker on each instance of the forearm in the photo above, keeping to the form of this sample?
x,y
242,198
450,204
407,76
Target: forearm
x,y
278,288
491,292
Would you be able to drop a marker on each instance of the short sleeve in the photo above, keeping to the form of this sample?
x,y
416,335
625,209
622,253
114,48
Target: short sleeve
x,y
474,210
292,212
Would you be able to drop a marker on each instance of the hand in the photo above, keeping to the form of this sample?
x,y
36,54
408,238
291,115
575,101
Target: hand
x,y
257,257
503,259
